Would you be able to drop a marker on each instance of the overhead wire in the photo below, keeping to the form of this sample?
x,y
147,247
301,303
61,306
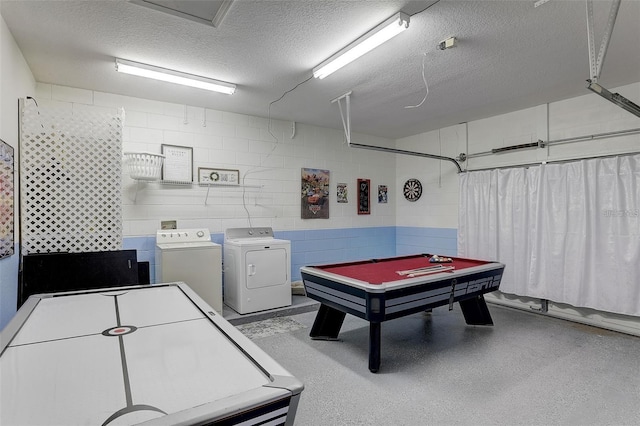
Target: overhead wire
x,y
426,8
277,141
424,79
275,145
279,99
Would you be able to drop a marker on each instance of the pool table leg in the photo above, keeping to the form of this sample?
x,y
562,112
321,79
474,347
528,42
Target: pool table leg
x,y
475,311
374,346
327,323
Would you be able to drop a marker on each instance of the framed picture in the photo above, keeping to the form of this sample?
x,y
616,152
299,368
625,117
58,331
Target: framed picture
x,y
218,176
364,196
178,163
6,200
342,193
314,192
383,190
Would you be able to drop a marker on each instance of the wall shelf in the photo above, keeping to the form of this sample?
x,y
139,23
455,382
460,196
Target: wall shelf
x,y
139,182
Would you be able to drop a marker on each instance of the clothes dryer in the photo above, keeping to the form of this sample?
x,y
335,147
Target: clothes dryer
x,y
257,270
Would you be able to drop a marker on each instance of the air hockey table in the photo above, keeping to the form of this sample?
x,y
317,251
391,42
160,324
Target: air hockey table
x,y
378,290
152,355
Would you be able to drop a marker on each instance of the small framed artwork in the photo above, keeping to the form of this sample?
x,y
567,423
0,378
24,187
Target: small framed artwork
x,y
364,196
382,193
178,163
342,193
218,176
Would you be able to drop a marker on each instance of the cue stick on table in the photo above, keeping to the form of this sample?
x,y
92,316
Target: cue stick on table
x,y
425,268
418,273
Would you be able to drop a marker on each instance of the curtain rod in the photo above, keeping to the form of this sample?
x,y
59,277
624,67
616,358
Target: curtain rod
x,y
400,151
543,144
526,165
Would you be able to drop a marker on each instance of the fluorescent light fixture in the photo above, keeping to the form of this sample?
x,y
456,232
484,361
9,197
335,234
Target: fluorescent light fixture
x,y
616,98
171,76
374,38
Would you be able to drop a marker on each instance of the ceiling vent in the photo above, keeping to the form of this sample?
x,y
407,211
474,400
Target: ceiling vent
x,y
210,12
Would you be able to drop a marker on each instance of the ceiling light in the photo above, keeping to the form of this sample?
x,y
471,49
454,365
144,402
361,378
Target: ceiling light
x,y
374,38
616,98
157,73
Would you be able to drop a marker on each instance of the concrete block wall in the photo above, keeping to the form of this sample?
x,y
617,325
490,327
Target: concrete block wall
x,y
269,158
16,81
413,239
227,140
580,116
436,215
308,247
315,247
429,225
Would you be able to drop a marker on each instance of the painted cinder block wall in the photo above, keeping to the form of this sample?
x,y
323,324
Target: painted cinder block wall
x,y
228,140
429,224
269,158
16,81
437,216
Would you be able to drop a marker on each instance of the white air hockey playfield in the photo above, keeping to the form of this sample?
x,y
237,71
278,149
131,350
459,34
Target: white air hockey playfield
x,y
156,355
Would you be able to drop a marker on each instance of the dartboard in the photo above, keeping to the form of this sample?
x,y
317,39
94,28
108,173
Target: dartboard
x,y
412,189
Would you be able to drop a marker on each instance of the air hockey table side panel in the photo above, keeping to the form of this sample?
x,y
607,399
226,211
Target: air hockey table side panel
x,y
271,385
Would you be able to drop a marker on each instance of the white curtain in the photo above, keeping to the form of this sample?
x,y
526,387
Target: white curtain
x,y
569,233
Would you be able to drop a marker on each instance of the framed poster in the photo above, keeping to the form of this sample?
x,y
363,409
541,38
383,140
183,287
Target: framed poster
x,y
218,176
315,194
178,163
382,193
364,196
342,193
6,200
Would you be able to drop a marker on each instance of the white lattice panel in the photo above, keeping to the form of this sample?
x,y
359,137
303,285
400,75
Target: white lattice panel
x,y
70,179
6,200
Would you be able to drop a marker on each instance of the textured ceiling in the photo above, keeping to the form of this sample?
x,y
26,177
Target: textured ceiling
x,y
510,55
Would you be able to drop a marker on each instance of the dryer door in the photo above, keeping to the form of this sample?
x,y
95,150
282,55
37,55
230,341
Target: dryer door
x,y
266,267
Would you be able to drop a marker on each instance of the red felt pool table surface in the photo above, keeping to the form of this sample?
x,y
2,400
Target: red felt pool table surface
x,y
379,271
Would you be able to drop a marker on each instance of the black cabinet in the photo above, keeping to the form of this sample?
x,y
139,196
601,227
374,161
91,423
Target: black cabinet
x,y
55,272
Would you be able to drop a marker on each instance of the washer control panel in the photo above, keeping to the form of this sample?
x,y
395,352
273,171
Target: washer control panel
x,y
165,236
246,233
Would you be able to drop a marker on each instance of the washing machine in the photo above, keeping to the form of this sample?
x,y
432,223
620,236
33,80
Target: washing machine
x,y
190,256
257,270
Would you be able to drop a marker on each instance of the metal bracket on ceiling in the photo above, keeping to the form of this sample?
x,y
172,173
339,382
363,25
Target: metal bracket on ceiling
x,y
346,122
595,63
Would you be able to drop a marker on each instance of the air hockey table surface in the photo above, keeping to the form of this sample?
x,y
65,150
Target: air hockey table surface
x,y
153,355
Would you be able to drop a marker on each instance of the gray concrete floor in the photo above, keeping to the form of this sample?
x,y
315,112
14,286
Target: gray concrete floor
x,y
527,369
299,304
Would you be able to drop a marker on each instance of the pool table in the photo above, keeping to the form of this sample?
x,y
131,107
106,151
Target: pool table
x,y
378,290
153,355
